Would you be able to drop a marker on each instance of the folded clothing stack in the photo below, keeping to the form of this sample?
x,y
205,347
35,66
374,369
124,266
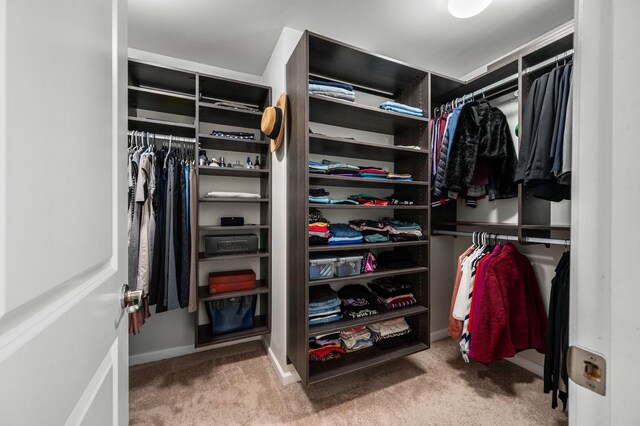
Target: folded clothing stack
x,y
233,135
372,231
392,292
356,338
369,200
403,231
325,347
400,177
341,234
341,169
315,167
373,172
332,89
324,305
358,301
394,259
401,108
320,196
391,333
318,228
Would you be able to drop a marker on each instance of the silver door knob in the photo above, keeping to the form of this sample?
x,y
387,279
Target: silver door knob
x,y
130,296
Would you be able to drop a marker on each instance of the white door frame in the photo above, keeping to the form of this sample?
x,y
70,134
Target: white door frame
x,y
604,266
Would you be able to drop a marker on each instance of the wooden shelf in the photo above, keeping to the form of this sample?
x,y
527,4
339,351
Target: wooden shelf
x,y
161,126
205,338
390,244
379,273
328,145
361,206
158,100
168,80
509,226
234,200
346,181
203,292
336,326
342,62
213,228
337,112
203,258
362,359
548,227
220,143
210,113
233,90
231,171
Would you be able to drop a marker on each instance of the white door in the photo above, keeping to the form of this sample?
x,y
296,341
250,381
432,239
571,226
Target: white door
x,y
605,291
63,334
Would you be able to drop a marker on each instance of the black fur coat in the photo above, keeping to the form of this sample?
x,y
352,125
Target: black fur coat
x,y
482,135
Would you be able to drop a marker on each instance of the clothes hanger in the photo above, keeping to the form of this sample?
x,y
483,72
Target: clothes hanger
x,y
168,152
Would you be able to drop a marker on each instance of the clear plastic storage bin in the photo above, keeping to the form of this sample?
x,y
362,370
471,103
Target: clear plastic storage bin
x,y
349,265
322,268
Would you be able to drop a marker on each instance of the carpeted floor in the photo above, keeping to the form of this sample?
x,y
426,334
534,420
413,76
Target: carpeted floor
x,y
237,386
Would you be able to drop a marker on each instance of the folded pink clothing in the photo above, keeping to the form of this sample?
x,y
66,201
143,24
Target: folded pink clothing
x,y
375,171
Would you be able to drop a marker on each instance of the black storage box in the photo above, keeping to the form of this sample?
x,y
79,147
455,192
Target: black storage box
x,y
232,221
230,244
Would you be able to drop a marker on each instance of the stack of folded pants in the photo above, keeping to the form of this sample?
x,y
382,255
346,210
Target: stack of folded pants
x,y
391,333
332,89
318,168
318,228
401,108
369,200
325,347
319,195
355,339
358,301
393,292
341,169
403,231
324,305
372,231
342,234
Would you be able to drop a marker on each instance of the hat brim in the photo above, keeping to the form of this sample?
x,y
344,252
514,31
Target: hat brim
x,y
282,104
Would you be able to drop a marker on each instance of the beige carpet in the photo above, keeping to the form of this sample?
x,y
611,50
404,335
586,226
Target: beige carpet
x,y
237,386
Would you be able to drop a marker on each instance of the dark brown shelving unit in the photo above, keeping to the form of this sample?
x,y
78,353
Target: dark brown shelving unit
x,y
212,89
319,57
176,102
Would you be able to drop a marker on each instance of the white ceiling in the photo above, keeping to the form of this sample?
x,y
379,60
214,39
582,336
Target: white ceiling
x,y
241,34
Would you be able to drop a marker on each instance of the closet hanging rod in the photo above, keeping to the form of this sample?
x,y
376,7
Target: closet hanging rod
x,y
508,237
527,70
161,137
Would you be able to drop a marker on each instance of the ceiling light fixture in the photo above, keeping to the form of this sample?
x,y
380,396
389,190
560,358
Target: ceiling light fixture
x,y
467,8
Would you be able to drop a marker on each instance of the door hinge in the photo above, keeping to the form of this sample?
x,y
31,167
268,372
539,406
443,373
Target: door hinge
x,y
587,369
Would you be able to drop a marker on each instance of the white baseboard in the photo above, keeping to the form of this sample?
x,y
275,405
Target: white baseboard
x,y
528,365
287,375
439,335
179,351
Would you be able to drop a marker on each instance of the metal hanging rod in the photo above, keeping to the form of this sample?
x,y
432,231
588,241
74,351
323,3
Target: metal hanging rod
x,y
527,70
161,137
512,78
503,237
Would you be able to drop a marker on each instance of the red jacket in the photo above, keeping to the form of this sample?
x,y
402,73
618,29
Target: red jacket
x,y
510,316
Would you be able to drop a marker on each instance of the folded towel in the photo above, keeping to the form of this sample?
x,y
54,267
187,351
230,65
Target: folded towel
x,y
221,194
401,107
332,83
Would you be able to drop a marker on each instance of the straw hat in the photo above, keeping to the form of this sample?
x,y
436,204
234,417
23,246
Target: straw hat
x,y
273,119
